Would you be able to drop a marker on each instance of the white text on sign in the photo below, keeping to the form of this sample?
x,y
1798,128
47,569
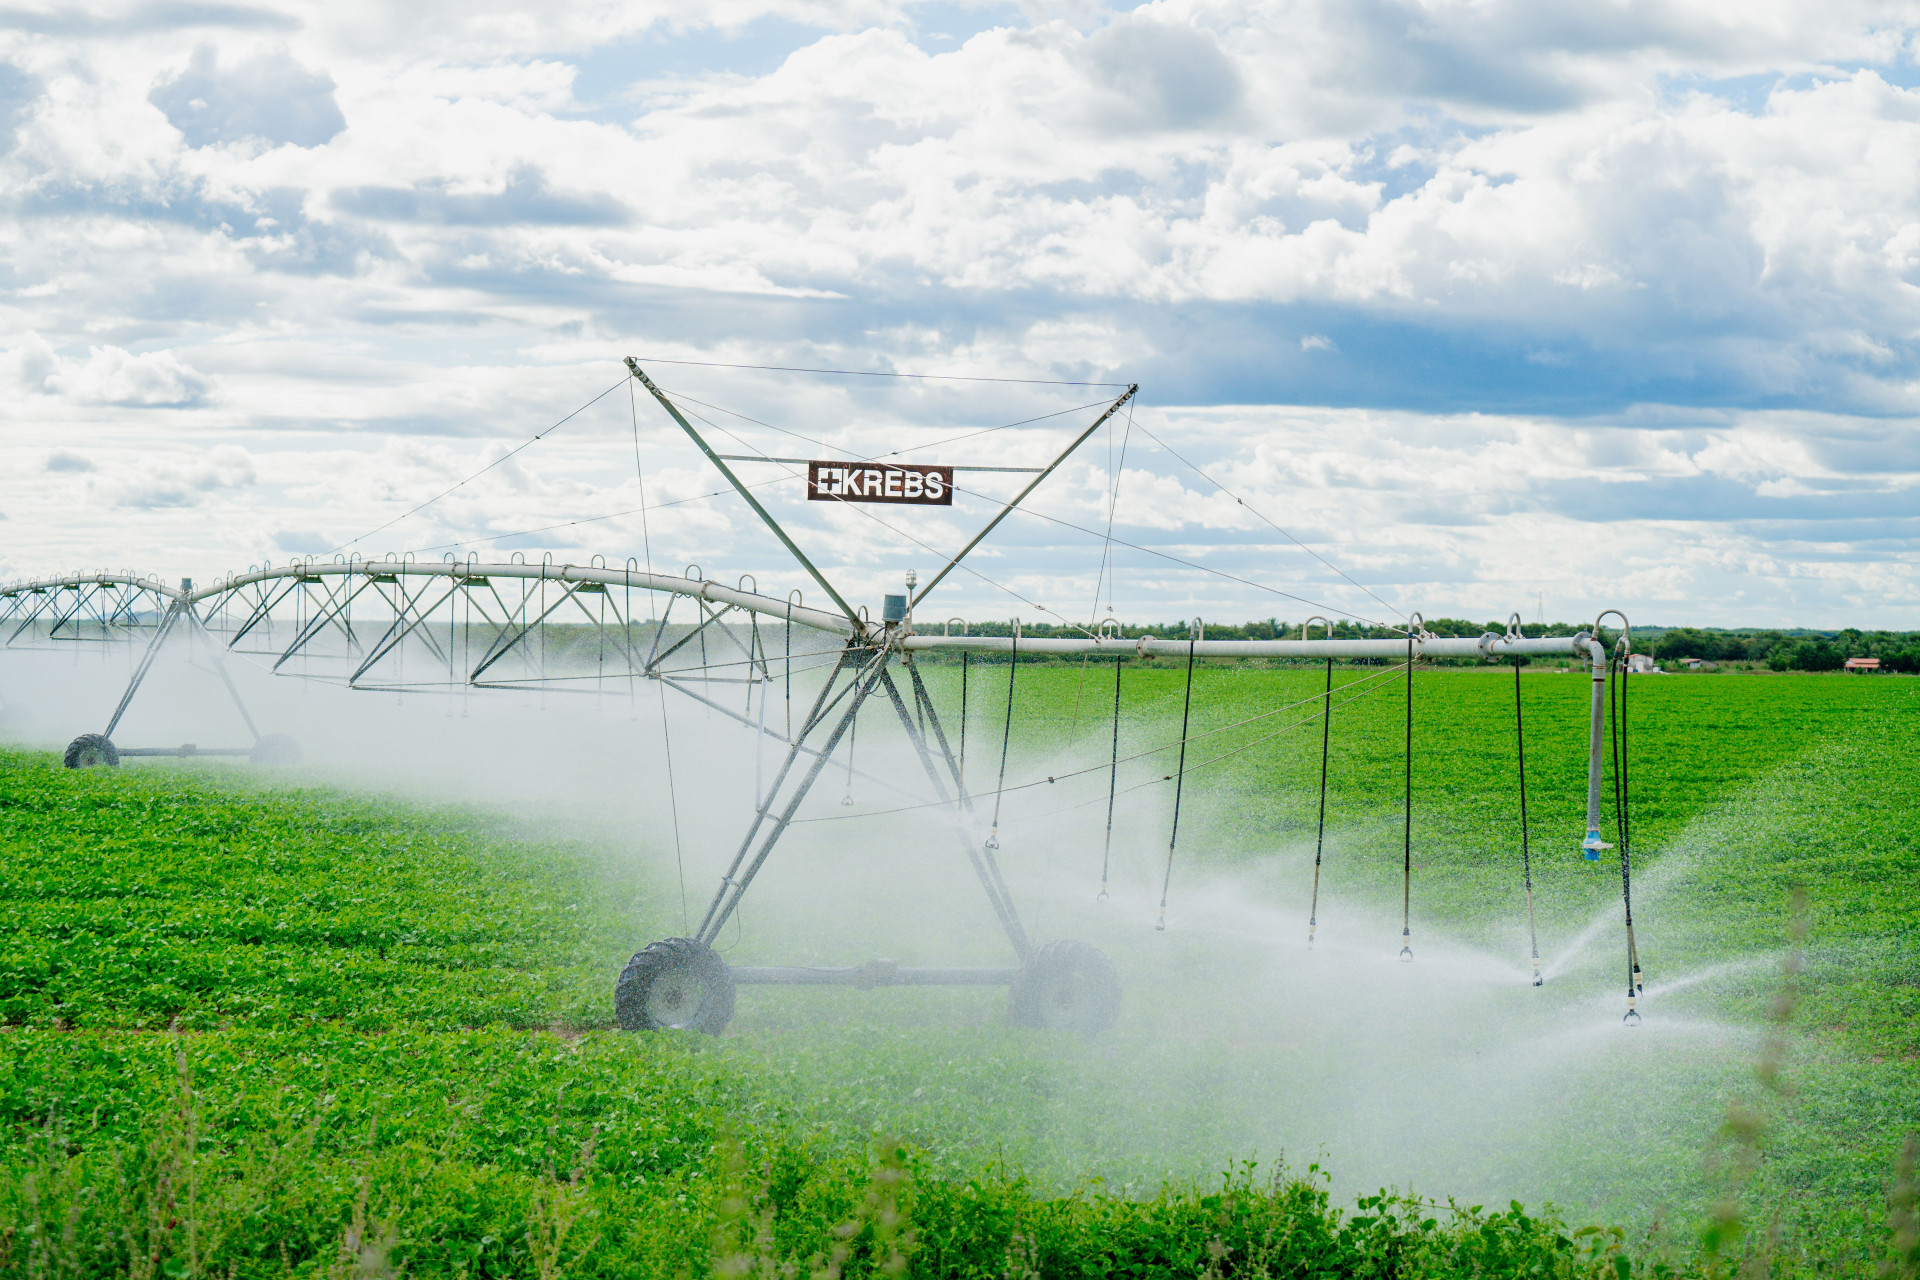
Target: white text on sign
x,y
927,486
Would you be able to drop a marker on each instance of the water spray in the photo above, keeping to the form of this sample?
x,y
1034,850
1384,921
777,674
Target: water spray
x,y
421,602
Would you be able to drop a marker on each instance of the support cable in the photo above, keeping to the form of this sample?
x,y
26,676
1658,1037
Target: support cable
x,y
527,444
956,562
1107,537
1180,777
683,398
666,730
1270,524
1006,737
878,373
1184,563
1113,505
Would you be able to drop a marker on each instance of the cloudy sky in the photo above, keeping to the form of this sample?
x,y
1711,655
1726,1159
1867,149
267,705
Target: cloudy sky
x,y
1492,305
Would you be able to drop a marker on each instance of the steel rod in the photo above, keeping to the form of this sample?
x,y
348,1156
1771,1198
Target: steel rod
x,y
867,976
1483,647
746,493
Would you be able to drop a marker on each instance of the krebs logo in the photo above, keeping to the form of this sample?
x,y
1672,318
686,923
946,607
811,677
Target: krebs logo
x,y
927,486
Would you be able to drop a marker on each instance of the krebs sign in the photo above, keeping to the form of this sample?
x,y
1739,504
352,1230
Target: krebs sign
x,y
927,486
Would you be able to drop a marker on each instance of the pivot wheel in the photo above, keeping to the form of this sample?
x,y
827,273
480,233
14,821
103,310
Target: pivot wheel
x,y
275,748
1066,986
90,750
678,984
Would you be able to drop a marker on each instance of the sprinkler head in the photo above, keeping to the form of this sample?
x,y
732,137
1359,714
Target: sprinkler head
x,y
1103,892
1311,926
1538,978
993,838
1406,946
1633,1016
1590,847
1161,924
847,799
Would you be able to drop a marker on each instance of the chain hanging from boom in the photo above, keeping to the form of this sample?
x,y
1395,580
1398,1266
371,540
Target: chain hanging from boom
x,y
1180,773
1326,741
1526,855
962,771
1416,625
853,734
1113,782
1006,737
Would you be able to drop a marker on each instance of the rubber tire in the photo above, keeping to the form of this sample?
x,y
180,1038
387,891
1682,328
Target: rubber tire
x,y
661,975
275,749
91,749
1066,986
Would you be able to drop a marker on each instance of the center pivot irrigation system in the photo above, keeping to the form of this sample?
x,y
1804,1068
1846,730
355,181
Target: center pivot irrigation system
x,y
400,624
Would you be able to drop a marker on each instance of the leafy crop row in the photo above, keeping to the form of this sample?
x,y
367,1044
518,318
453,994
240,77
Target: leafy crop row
x,y
389,1050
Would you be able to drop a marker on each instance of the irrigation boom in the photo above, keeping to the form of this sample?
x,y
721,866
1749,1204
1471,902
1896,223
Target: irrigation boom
x,y
401,623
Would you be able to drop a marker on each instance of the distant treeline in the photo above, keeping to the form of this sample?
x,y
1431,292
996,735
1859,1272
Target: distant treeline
x,y
1791,650
1797,649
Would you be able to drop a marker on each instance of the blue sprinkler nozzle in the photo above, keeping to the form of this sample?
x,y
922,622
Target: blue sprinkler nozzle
x,y
1590,847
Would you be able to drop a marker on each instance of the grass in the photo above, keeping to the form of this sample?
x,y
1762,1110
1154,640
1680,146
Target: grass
x,y
256,1029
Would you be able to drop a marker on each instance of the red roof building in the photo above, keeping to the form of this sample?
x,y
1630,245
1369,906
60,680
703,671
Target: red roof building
x,y
1867,665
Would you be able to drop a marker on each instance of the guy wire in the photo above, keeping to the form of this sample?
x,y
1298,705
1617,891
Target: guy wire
x,y
526,444
666,730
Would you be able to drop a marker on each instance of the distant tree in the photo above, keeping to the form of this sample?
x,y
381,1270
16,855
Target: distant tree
x,y
1690,642
1808,655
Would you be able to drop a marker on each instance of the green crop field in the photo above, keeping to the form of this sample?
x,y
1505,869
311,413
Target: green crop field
x,y
258,1027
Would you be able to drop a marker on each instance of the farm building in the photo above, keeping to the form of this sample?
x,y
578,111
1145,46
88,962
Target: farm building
x,y
1864,666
